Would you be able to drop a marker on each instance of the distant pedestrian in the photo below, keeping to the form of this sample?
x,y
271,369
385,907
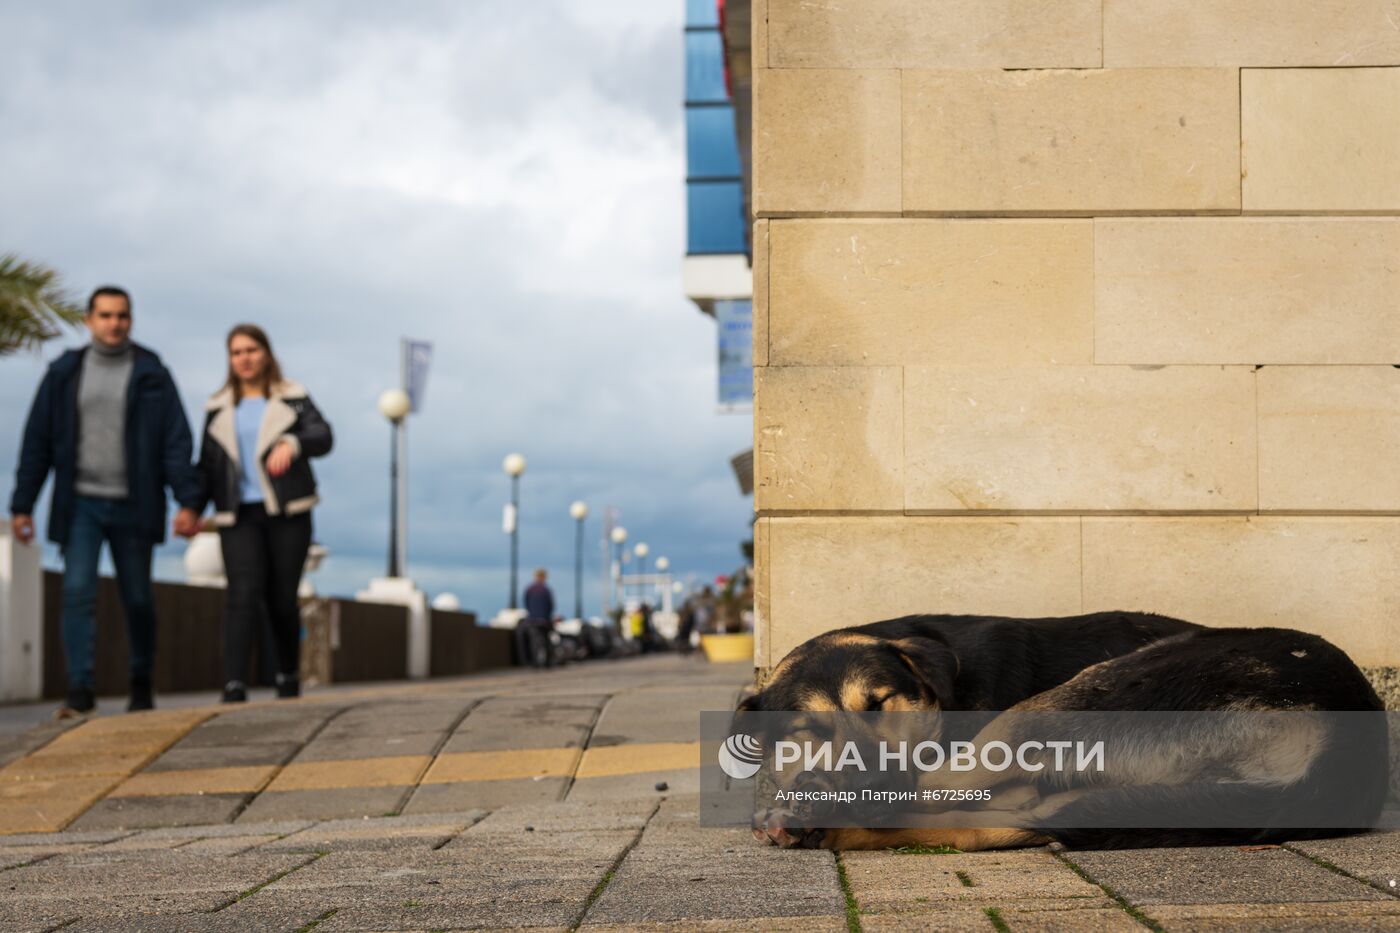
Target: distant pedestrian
x,y
108,421
532,633
260,433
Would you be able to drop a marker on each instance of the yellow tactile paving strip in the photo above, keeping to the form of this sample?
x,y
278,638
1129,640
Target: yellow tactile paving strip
x,y
614,760
47,790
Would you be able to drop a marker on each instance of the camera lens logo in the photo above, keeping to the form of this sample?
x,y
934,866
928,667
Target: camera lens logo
x,y
740,756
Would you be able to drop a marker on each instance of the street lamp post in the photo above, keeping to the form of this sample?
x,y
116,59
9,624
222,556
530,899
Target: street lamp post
x,y
641,550
578,511
514,465
394,405
619,538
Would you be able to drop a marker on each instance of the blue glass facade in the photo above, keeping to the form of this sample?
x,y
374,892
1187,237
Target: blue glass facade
x,y
715,218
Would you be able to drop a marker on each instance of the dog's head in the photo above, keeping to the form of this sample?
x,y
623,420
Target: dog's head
x,y
853,671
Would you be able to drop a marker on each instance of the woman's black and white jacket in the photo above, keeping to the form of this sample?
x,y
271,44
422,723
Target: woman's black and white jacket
x,y
290,417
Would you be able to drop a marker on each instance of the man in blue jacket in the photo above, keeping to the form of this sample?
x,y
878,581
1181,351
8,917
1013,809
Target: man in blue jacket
x,y
108,421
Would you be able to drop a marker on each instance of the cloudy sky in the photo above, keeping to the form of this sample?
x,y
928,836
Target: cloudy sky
x,y
504,179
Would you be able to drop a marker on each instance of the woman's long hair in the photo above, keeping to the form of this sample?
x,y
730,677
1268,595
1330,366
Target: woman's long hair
x,y
272,372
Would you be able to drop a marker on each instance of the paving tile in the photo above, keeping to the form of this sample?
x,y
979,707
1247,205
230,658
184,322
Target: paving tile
x,y
257,727
644,784
885,882
364,772
75,763
564,817
1224,875
397,718
61,839
503,723
222,830
945,920
531,763
181,757
486,795
147,874
1374,856
282,920
332,804
1279,918
150,812
635,758
687,886
333,748
424,831
831,924
668,715
241,780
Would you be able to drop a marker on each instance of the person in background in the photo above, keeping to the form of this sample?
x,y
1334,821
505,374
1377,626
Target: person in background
x,y
108,422
260,433
534,629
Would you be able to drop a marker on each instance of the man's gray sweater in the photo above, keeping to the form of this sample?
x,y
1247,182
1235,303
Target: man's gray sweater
x,y
102,421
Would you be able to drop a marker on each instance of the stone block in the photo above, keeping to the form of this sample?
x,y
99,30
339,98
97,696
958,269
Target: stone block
x,y
758,36
250,779
470,795
339,803
1321,139
827,573
1326,434
884,883
532,763
826,142
946,34
168,811
1225,875
1316,574
760,292
1247,290
1088,141
1079,438
1263,33
896,292
828,438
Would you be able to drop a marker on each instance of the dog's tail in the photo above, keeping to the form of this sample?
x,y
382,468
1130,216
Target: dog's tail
x,y
1211,814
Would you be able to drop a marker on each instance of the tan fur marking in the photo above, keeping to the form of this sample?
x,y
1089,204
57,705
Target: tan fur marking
x,y
854,694
814,702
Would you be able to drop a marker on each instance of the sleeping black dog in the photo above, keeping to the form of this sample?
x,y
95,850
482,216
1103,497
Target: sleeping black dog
x,y
1111,661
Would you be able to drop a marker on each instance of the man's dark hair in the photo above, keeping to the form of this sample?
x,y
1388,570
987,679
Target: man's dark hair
x,y
112,290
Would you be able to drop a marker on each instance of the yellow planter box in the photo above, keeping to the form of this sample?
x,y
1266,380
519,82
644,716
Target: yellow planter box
x,y
727,647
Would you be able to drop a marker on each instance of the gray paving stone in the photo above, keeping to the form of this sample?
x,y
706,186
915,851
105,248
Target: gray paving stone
x,y
485,795
1375,856
831,924
1026,880
660,715
566,817
168,880
181,757
422,831
1223,875
218,733
222,830
391,718
642,784
526,722
95,837
332,804
339,748
286,920
150,812
1279,918
689,887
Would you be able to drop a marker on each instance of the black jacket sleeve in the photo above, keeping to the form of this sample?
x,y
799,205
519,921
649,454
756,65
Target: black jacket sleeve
x,y
178,451
36,451
312,432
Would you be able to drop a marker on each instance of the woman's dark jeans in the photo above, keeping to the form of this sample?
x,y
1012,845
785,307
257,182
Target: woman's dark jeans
x,y
263,560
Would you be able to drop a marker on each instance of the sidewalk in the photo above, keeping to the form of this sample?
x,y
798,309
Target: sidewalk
x,y
561,800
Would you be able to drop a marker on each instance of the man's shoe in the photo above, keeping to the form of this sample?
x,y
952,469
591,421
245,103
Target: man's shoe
x,y
80,703
142,697
288,686
235,692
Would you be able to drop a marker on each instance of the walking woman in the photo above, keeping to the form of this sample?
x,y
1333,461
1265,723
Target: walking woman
x,y
260,432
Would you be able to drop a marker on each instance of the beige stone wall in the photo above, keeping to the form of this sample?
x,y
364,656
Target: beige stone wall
x,y
1076,305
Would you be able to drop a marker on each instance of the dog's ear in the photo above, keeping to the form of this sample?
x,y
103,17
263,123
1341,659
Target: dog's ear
x,y
933,663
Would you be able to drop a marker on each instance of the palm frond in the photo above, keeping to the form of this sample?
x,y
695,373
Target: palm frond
x,y
32,305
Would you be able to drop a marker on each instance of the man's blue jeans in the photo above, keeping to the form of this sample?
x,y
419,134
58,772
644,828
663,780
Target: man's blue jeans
x,y
113,520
